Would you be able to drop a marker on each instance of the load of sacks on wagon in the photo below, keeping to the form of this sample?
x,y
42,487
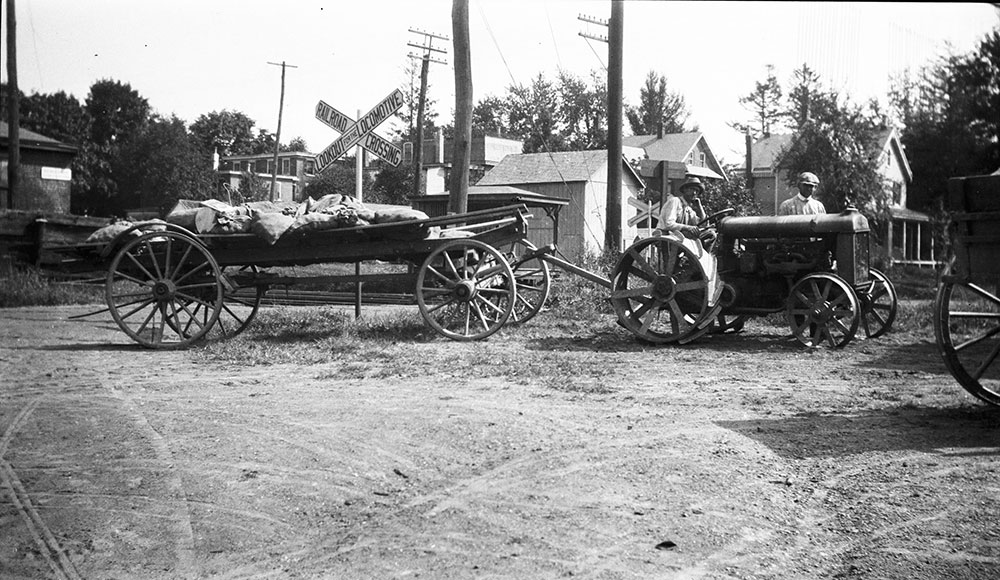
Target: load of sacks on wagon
x,y
271,221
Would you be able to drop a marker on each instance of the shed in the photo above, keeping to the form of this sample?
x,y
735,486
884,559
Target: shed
x,y
581,179
45,172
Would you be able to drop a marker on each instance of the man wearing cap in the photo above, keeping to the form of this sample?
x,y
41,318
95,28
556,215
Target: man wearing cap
x,y
682,213
803,203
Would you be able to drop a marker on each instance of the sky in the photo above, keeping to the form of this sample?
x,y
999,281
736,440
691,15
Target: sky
x,y
192,57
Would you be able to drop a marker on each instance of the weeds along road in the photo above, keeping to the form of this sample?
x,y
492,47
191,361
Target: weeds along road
x,y
544,452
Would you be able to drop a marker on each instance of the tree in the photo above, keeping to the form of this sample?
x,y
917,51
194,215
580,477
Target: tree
x,y
804,97
764,104
533,116
231,132
339,177
117,112
735,193
583,112
58,115
950,126
297,144
491,116
658,105
162,165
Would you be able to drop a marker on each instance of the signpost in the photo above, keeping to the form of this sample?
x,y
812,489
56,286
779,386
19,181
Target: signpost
x,y
359,133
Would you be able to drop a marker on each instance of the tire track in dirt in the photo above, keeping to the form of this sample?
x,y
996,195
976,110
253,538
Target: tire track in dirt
x,y
52,552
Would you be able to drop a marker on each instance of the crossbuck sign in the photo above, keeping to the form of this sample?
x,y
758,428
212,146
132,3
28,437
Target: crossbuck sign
x,y
360,132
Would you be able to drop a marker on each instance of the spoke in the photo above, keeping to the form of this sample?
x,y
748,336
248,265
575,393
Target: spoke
x,y
144,304
198,285
434,291
191,319
633,292
886,307
528,288
449,281
672,251
152,312
985,294
143,294
802,297
177,268
843,327
145,283
827,288
166,257
631,271
480,315
184,307
644,266
141,267
192,271
829,336
977,340
648,320
436,307
841,299
986,363
864,324
877,317
689,286
677,317
192,298
495,307
451,265
152,258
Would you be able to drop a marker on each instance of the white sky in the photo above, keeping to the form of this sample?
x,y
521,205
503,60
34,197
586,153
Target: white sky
x,y
191,57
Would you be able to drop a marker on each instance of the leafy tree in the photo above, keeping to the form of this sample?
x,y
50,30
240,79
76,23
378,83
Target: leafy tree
x,y
491,116
533,116
297,144
408,113
58,115
229,131
117,111
805,96
764,104
161,165
657,105
392,185
582,111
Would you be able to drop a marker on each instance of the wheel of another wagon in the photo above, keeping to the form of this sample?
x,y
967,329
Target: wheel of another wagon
x,y
239,304
823,309
967,326
878,302
532,279
466,290
660,291
164,289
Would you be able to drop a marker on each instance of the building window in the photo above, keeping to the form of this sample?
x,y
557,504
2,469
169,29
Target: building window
x,y
701,159
286,166
310,167
407,153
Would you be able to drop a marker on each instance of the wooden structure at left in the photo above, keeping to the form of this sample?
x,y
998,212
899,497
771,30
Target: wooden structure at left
x,y
27,237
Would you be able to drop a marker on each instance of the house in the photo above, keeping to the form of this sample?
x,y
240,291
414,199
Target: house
x,y
690,149
581,178
907,241
486,151
294,169
45,172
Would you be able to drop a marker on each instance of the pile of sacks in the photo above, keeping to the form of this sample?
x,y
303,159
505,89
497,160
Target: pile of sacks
x,y
272,221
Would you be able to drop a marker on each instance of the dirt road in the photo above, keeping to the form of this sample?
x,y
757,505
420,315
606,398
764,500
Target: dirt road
x,y
742,456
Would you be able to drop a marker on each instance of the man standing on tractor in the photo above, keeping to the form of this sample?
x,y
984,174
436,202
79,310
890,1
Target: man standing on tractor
x,y
803,203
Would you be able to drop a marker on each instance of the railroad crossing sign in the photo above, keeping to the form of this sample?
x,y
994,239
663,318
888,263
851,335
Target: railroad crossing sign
x,y
646,210
360,132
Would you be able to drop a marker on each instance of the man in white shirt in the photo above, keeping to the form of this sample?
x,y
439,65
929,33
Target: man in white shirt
x,y
803,203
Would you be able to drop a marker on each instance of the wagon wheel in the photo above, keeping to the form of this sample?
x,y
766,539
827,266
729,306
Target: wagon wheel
x,y
967,325
466,290
660,291
532,279
164,289
238,308
878,304
823,309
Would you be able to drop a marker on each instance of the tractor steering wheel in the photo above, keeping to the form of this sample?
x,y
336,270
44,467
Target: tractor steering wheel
x,y
716,217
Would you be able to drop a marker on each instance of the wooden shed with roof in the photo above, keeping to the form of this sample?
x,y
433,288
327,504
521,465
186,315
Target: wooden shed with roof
x,y
581,179
45,172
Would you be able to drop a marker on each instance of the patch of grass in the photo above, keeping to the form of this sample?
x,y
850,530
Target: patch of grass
x,y
30,287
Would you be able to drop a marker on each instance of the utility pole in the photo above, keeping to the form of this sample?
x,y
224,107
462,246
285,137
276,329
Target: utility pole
x,y
458,200
613,218
13,114
277,136
418,145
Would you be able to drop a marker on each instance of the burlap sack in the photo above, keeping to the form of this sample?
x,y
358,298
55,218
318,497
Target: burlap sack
x,y
271,226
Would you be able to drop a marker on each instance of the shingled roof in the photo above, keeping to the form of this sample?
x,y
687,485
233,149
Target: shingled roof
x,y
557,167
34,140
670,147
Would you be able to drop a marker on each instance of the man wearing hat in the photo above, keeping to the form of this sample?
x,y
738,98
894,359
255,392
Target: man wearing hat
x,y
682,213
803,203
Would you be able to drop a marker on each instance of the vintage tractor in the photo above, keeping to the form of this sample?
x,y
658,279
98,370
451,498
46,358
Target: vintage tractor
x,y
814,268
